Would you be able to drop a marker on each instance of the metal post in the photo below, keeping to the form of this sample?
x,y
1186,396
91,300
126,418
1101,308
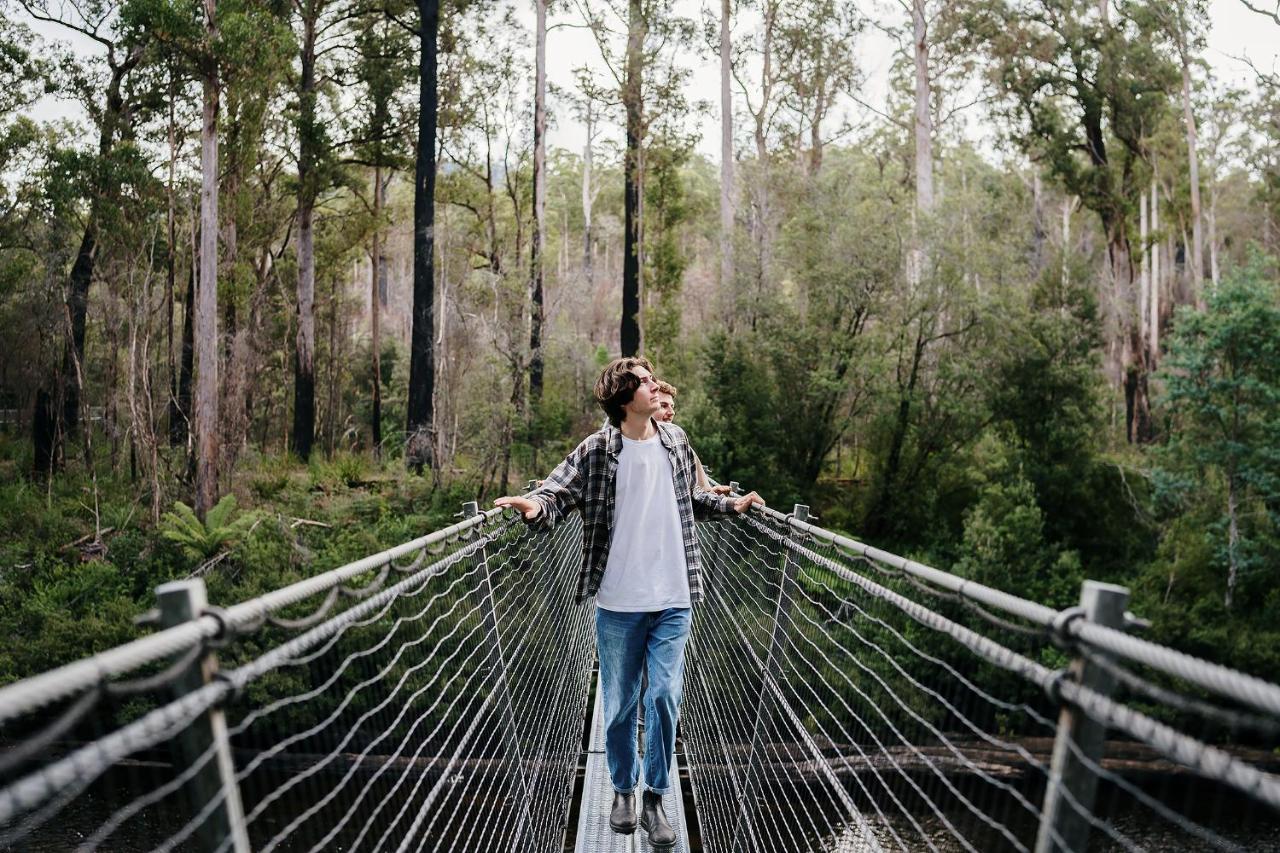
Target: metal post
x,y
182,601
1063,828
764,710
489,615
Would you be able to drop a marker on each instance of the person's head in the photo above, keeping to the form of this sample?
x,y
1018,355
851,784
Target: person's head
x,y
666,402
627,385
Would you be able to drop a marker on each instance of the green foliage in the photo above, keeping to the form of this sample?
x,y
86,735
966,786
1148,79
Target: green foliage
x,y
1004,543
220,531
1218,478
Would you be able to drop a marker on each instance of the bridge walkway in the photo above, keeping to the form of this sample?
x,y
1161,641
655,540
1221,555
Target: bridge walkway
x,y
594,834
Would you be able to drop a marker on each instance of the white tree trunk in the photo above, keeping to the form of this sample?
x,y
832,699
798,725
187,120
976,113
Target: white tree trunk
x,y
726,152
587,195
1154,317
1197,237
923,114
206,319
1144,264
1213,235
1068,205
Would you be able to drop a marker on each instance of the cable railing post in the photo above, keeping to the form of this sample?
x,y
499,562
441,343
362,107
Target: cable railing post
x,y
764,710
489,613
183,601
1069,795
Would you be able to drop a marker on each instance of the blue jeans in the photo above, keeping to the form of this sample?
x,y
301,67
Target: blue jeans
x,y
628,642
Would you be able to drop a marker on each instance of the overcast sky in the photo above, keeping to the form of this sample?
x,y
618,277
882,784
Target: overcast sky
x,y
1235,33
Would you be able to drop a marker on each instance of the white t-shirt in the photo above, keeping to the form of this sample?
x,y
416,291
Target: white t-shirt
x,y
646,569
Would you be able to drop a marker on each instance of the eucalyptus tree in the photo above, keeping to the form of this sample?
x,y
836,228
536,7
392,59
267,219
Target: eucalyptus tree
x,y
420,421
1082,93
642,43
482,138
111,106
592,105
251,225
817,52
384,69
538,242
727,193
758,75
221,43
25,75
323,42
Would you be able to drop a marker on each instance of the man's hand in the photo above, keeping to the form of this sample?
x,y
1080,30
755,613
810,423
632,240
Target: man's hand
x,y
531,509
721,490
742,504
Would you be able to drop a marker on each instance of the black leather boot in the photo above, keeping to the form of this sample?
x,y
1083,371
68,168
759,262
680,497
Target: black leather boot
x,y
622,817
654,821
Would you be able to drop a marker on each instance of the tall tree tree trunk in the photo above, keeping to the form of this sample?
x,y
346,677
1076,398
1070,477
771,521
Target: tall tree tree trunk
x,y
1068,205
923,114
1233,539
588,196
177,418
923,132
762,221
1144,265
761,116
1038,233
1153,319
878,518
538,243
1193,158
1135,364
180,413
304,368
726,151
206,320
77,309
419,420
114,124
376,272
44,434
1213,234
235,334
632,102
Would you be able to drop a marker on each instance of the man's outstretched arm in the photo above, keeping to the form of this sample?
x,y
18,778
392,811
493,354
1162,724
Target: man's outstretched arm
x,y
556,496
707,504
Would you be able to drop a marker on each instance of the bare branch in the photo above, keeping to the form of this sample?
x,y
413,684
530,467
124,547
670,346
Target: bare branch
x,y
899,122
1274,14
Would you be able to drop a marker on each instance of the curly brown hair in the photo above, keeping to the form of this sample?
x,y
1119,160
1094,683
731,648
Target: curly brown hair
x,y
617,384
667,388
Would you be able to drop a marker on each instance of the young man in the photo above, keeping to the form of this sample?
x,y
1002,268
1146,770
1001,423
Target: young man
x,y
635,483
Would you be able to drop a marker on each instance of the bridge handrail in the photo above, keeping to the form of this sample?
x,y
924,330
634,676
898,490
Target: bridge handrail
x,y
33,693
1205,759
1222,680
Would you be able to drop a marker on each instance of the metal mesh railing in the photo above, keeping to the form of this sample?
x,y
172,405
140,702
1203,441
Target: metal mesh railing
x,y
842,698
442,710
837,698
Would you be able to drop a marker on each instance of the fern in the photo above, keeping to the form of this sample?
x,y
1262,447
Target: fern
x,y
220,531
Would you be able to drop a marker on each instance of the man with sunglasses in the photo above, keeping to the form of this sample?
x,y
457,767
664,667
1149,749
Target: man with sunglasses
x,y
635,482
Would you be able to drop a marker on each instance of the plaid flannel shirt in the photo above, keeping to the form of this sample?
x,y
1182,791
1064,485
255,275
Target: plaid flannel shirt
x,y
586,480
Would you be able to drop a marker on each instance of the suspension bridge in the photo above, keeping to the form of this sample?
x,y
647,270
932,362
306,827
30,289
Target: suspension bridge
x,y
441,695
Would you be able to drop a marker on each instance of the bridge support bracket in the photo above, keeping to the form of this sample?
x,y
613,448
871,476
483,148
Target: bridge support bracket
x,y
1080,741
183,601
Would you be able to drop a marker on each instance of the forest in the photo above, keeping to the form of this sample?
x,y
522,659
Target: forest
x,y
282,283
